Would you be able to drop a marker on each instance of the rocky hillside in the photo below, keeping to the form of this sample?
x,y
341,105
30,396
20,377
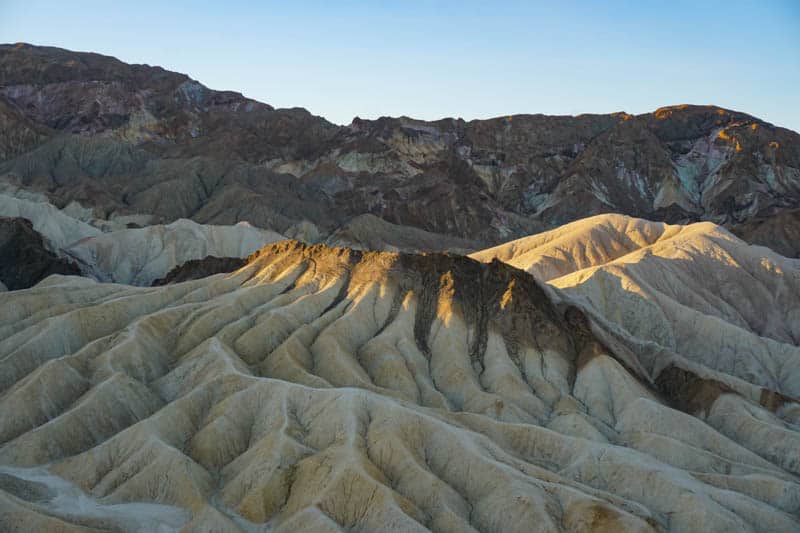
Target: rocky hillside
x,y
133,139
108,250
329,389
696,290
138,256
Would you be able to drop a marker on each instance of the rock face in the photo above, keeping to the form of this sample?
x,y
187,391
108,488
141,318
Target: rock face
x,y
679,163
329,389
781,232
24,259
81,126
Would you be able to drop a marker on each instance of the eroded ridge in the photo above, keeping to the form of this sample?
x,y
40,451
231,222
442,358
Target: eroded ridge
x,y
325,388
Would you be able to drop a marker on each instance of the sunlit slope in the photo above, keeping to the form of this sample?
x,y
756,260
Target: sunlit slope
x,y
694,289
588,242
327,389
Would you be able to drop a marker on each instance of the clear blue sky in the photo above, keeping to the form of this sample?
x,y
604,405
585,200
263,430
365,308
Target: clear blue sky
x,y
431,59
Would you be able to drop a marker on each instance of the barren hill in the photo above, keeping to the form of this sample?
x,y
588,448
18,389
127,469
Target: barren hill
x,y
330,389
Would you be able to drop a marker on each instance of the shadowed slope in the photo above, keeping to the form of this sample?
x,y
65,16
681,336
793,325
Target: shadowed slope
x,y
368,232
24,258
201,268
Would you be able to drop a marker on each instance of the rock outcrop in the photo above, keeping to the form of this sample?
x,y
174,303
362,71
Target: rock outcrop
x,y
24,259
330,389
58,229
201,268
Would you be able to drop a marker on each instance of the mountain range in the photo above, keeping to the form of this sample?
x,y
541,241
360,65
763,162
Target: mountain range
x,y
139,141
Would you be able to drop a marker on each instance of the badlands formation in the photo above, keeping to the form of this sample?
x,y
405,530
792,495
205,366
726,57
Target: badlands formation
x,y
136,256
217,316
645,387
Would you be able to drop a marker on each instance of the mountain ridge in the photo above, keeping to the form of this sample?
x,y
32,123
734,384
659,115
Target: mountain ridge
x,y
161,143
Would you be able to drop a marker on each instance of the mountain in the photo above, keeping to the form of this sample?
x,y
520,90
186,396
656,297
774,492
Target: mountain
x,y
323,388
368,232
134,139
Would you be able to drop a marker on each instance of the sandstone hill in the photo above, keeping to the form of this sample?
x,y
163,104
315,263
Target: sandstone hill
x,y
57,228
694,290
334,389
139,140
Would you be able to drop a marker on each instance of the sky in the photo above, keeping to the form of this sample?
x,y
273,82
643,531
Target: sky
x,y
433,59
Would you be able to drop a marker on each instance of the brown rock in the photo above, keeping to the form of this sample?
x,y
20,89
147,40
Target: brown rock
x,y
24,260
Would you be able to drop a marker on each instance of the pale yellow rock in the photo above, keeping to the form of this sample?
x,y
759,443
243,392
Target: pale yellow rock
x,y
696,290
328,390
